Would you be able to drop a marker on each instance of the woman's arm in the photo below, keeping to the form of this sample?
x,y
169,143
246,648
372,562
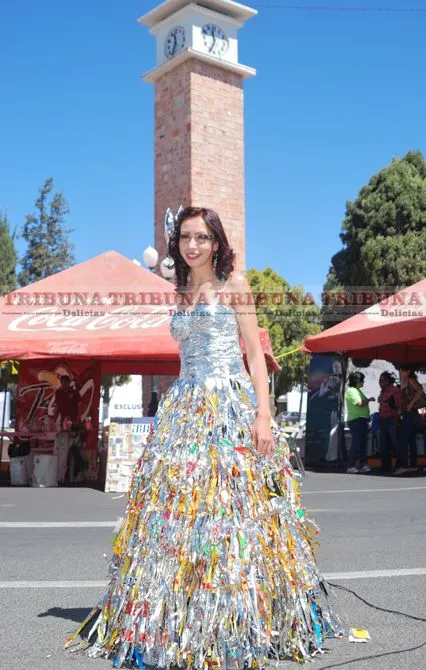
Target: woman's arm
x,y
358,403
364,401
247,322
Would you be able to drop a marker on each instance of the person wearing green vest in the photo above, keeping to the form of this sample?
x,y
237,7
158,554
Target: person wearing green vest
x,y
358,420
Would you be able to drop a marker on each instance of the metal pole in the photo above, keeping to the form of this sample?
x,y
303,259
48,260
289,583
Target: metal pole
x,y
302,384
4,410
153,377
341,429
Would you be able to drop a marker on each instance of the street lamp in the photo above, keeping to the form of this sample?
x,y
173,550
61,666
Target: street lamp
x,y
150,258
167,268
150,255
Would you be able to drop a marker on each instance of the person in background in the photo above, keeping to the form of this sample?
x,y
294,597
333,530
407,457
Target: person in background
x,y
411,391
153,405
390,425
66,401
358,420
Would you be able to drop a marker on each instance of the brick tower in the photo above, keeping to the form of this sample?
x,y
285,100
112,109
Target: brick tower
x,y
199,116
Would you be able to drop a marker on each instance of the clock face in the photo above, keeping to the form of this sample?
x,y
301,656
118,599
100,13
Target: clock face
x,y
215,39
175,41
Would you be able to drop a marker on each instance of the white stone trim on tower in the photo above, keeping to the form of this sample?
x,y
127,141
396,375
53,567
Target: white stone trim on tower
x,y
178,16
152,75
183,26
229,8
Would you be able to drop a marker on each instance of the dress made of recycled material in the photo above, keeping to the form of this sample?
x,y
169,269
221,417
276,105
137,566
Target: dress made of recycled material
x,y
214,564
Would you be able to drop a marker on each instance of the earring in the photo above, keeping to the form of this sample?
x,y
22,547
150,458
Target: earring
x,y
215,261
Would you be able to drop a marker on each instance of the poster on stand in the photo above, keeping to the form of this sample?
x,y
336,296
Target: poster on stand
x,y
325,387
36,410
126,439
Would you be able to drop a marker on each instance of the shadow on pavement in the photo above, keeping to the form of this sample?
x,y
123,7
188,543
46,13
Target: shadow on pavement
x,y
77,614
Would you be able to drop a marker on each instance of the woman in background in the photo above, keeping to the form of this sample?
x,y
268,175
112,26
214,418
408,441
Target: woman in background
x,y
358,420
390,406
411,391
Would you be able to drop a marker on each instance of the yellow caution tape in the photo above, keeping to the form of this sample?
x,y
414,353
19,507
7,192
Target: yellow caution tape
x,y
287,353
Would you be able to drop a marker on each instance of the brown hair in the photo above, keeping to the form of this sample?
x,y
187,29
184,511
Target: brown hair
x,y
407,368
225,255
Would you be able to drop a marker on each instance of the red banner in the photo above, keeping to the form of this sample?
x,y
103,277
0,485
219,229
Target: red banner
x,y
38,405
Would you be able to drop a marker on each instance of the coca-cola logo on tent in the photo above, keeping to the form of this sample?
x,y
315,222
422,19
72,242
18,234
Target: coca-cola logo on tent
x,y
131,317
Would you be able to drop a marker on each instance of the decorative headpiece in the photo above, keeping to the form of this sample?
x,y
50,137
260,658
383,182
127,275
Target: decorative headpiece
x,y
170,221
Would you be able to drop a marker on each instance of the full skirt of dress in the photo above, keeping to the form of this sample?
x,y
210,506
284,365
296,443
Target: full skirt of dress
x,y
214,564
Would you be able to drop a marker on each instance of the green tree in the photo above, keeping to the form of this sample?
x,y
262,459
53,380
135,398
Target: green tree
x,y
287,324
7,257
383,235
383,232
49,249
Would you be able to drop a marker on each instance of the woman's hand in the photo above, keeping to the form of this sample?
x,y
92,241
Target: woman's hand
x,y
261,434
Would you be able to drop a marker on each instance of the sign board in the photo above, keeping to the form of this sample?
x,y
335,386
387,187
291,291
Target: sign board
x,y
325,384
126,400
126,439
38,382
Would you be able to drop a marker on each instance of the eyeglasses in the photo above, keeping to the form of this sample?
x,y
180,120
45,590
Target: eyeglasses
x,y
199,239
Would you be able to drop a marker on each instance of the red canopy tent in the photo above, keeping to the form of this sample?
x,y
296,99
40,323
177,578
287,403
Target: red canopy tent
x,y
393,329
106,309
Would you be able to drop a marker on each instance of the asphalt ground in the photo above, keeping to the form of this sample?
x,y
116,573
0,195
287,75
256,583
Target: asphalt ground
x,y
55,544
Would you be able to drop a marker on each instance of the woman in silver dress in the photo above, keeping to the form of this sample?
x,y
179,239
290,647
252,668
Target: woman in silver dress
x,y
214,563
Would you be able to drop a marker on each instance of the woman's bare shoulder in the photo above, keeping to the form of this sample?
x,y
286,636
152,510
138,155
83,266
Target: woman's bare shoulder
x,y
237,281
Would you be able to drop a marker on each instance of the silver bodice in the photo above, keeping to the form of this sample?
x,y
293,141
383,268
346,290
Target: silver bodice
x,y
209,340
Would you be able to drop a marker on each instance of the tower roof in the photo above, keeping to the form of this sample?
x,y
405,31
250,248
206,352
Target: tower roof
x,y
227,7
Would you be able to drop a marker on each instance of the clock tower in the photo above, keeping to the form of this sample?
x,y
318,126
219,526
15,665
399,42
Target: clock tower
x,y
199,115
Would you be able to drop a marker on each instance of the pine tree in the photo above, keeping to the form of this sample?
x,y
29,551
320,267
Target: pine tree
x,y
383,235
7,257
49,249
384,231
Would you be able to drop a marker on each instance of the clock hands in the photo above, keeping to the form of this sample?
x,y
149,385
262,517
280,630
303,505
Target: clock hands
x,y
175,41
214,39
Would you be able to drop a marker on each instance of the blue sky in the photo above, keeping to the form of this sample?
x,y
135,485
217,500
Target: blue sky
x,y
337,95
